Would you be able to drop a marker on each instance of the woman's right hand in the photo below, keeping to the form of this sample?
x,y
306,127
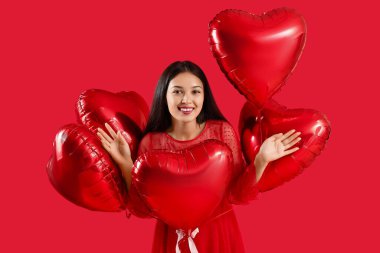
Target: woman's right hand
x,y
115,145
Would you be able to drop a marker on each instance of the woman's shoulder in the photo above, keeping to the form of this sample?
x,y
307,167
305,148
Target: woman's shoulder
x,y
225,129
216,122
219,129
148,142
149,137
153,139
221,124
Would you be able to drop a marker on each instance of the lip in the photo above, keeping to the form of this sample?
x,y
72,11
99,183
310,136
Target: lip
x,y
186,107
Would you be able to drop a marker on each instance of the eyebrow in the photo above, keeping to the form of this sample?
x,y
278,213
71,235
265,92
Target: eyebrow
x,y
179,87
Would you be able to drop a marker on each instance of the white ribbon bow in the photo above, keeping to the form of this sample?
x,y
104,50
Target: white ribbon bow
x,y
181,234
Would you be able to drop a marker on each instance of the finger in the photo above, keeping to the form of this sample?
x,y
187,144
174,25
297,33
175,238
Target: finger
x,y
123,138
292,143
287,152
110,130
287,135
104,135
291,138
118,137
106,146
100,136
276,136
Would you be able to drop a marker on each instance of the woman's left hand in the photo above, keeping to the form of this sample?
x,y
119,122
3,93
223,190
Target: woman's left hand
x,y
279,145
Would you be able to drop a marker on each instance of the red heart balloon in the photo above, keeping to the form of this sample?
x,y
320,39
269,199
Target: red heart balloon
x,y
124,111
257,53
256,125
81,170
183,188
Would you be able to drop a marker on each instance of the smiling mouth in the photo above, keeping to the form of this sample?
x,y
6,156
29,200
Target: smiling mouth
x,y
186,109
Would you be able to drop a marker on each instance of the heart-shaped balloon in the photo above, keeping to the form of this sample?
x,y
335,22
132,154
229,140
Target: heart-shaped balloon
x,y
183,188
257,53
255,125
81,170
124,111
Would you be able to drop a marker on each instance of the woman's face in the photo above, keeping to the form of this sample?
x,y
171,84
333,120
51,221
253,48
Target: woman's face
x,y
185,97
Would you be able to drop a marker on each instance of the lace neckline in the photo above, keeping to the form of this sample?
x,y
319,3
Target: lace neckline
x,y
196,137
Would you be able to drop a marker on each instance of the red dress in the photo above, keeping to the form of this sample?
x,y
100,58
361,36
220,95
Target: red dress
x,y
221,234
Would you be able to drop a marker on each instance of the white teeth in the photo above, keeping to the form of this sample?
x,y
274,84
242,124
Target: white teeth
x,y
186,109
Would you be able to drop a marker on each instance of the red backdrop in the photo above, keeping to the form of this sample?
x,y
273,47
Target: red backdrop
x,y
51,51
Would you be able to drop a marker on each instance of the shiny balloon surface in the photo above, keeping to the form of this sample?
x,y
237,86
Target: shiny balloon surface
x,y
124,111
80,169
257,53
255,125
183,188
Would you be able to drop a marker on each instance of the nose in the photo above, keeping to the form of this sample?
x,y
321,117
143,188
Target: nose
x,y
185,99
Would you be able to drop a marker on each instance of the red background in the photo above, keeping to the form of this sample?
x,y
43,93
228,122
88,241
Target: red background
x,y
53,50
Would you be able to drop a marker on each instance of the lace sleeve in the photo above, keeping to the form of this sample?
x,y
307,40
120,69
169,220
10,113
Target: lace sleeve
x,y
243,186
135,204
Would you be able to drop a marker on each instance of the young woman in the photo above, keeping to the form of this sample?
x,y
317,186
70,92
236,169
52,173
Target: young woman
x,y
184,113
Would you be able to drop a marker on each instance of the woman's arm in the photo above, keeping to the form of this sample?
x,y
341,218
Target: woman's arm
x,y
244,185
119,150
260,165
126,170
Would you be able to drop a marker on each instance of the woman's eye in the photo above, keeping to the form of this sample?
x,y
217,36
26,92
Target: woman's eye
x,y
176,91
196,91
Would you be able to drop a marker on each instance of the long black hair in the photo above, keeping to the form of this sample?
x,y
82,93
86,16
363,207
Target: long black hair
x,y
160,118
